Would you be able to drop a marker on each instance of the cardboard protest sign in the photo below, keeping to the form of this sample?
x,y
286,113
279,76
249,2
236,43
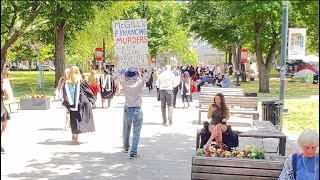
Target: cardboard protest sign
x,y
131,43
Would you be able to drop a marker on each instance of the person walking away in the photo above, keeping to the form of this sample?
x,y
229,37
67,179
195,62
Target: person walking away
x,y
305,164
166,83
107,87
177,74
78,98
149,84
185,88
132,84
4,115
94,84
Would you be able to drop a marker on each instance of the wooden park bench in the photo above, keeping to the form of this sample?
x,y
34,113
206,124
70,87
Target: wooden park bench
x,y
9,98
236,104
265,129
234,168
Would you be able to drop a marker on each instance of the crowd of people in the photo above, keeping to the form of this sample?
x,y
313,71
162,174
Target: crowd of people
x,y
79,96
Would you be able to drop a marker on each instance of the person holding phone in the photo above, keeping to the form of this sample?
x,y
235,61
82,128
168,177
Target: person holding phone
x,y
218,112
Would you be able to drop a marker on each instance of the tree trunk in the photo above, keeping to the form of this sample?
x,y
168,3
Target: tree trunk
x,y
234,53
4,50
59,51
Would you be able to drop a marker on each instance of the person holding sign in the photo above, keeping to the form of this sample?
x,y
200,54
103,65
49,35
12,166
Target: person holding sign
x,y
132,84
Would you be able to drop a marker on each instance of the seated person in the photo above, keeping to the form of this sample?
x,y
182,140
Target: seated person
x,y
204,79
303,165
226,81
219,80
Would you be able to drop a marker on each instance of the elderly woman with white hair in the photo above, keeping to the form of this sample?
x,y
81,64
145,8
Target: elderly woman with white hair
x,y
303,165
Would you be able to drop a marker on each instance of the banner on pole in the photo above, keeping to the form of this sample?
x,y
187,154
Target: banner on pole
x,y
297,43
131,43
244,55
98,54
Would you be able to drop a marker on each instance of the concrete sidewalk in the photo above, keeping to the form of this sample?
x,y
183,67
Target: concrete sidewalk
x,y
37,148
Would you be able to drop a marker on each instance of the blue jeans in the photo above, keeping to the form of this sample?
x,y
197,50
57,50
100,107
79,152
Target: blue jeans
x,y
132,115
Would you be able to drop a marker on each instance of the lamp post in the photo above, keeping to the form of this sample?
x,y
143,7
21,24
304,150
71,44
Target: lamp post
x,y
238,61
284,39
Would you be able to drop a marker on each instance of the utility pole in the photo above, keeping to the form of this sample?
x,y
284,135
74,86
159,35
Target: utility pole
x,y
284,39
104,53
238,61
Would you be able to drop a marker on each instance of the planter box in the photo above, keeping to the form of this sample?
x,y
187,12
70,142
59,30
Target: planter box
x,y
35,104
234,168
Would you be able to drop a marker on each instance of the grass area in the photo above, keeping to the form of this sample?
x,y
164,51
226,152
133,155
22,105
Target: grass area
x,y
303,113
293,90
23,82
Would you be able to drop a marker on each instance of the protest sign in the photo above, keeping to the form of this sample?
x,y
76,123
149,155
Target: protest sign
x,y
131,43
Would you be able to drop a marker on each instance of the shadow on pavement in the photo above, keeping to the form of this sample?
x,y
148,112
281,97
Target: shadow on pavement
x,y
165,156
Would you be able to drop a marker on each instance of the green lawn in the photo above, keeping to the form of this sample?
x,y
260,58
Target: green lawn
x,y
304,113
293,90
24,81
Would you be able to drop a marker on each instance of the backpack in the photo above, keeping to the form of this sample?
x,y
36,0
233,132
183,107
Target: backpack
x,y
230,137
294,164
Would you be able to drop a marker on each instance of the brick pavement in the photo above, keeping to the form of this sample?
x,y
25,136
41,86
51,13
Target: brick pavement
x,y
37,148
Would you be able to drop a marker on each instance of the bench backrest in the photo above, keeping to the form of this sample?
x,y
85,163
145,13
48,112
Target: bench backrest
x,y
234,168
231,101
221,90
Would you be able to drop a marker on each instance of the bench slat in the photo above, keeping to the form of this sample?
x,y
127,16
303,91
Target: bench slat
x,y
237,171
227,177
236,162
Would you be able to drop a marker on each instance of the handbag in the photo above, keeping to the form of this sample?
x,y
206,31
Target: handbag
x,y
193,88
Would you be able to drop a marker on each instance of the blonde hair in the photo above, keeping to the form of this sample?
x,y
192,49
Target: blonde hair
x,y
74,75
91,78
308,137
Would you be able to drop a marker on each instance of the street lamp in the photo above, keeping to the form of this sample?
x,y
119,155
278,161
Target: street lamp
x,y
284,39
238,61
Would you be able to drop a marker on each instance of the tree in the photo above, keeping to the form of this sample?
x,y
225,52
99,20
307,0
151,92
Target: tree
x,y
166,33
18,18
258,24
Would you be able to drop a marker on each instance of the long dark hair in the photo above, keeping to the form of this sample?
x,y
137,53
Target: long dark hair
x,y
224,107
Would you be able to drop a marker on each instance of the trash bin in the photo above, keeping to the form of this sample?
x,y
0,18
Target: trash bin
x,y
271,110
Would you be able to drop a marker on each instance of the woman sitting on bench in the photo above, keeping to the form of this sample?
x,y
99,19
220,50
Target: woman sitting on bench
x,y
219,114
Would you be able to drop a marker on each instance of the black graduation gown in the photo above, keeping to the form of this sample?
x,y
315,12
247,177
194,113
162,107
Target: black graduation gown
x,y
4,112
81,117
105,94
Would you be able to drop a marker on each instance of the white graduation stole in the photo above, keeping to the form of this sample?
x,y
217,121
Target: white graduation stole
x,y
187,87
106,79
77,95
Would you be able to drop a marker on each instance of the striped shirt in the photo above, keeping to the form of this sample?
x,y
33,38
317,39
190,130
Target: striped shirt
x,y
132,89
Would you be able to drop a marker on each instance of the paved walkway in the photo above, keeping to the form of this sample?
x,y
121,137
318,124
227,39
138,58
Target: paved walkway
x,y
37,148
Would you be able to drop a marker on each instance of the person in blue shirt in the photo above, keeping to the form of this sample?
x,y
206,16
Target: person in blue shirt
x,y
303,165
204,79
226,81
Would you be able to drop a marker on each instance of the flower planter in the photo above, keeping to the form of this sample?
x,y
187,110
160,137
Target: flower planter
x,y
35,104
234,168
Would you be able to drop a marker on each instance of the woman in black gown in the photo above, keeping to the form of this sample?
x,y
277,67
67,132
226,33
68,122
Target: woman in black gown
x,y
107,87
4,114
79,98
